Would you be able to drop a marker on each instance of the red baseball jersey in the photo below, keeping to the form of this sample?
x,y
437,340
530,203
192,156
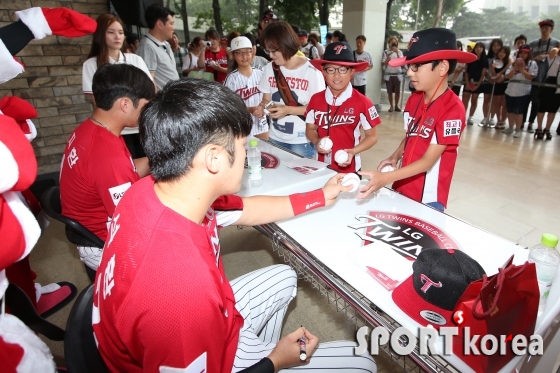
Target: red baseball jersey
x,y
220,58
345,114
95,172
442,124
162,301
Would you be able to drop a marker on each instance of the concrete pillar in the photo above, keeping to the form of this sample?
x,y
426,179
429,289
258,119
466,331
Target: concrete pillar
x,y
367,17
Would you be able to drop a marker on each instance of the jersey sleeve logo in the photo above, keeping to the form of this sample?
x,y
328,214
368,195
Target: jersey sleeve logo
x,y
452,127
117,192
113,229
72,158
373,113
108,277
197,366
72,138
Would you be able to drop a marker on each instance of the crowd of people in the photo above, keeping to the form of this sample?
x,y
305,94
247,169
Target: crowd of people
x,y
519,83
509,78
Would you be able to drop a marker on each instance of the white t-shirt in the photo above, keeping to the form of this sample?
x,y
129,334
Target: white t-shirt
x,y
190,61
310,51
321,49
459,78
304,82
521,89
390,69
247,88
90,67
360,78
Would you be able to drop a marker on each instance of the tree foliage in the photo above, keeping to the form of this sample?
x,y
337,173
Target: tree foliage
x,y
428,15
499,22
242,15
206,20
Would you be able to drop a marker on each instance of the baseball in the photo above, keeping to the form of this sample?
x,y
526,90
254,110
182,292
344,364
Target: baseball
x,y
387,168
326,143
351,179
340,156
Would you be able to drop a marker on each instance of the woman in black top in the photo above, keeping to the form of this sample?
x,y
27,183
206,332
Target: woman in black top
x,y
498,68
474,74
495,46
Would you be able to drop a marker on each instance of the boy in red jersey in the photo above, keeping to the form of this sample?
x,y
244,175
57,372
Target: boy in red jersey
x,y
434,119
339,111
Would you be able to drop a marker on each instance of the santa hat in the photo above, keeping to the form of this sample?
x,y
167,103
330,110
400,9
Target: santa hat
x,y
21,350
22,112
38,23
18,170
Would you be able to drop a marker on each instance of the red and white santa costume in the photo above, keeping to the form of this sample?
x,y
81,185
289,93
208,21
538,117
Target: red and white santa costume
x,y
20,349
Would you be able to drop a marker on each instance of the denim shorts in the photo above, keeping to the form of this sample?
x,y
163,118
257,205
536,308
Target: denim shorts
x,y
306,149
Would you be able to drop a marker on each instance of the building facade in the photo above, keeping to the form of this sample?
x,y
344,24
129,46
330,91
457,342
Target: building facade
x,y
533,8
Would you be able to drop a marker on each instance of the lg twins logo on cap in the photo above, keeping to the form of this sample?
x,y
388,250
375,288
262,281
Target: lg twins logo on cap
x,y
412,40
428,283
339,48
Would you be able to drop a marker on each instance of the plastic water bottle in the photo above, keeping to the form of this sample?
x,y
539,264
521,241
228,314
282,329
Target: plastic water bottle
x,y
254,163
546,259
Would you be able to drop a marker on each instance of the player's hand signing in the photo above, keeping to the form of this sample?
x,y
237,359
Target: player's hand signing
x,y
333,187
286,352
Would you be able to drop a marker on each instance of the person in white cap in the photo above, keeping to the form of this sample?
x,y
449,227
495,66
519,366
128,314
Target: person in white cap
x,y
244,80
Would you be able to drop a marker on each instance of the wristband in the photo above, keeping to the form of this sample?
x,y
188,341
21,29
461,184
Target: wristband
x,y
302,202
265,365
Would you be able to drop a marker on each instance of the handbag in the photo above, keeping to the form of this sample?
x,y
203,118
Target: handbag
x,y
283,88
543,65
505,304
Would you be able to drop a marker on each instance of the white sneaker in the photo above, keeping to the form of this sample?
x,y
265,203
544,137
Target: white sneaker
x,y
517,133
493,123
508,130
470,121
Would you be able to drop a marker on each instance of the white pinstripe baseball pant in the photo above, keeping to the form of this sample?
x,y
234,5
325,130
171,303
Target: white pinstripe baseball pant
x,y
91,256
262,298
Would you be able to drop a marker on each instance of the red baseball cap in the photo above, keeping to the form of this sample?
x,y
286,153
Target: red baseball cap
x,y
438,280
546,22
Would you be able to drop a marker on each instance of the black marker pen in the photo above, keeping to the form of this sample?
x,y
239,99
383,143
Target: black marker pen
x,y
302,351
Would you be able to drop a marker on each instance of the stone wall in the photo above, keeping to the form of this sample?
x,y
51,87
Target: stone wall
x,y
52,81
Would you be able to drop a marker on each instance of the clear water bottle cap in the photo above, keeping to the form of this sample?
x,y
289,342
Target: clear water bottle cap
x,y
254,143
549,240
